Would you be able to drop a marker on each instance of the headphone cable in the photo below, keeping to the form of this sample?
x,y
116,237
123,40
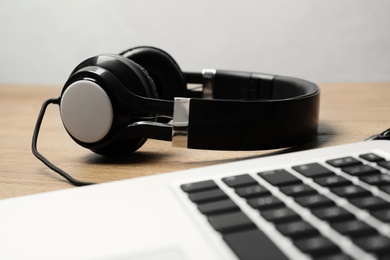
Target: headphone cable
x,y
42,158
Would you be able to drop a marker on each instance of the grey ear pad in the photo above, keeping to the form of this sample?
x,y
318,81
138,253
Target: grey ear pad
x,y
162,68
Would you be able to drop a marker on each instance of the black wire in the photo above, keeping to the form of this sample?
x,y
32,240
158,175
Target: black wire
x,y
40,156
385,135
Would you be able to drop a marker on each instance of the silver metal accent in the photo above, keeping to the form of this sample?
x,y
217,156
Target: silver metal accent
x,y
208,82
181,113
263,76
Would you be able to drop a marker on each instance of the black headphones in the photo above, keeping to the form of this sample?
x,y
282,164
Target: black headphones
x,y
111,104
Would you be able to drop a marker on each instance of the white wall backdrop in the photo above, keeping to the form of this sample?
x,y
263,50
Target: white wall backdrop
x,y
41,41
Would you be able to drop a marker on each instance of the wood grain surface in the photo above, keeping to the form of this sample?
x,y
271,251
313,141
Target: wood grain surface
x,y
349,112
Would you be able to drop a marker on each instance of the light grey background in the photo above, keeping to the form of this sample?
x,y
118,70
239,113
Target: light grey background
x,y
324,41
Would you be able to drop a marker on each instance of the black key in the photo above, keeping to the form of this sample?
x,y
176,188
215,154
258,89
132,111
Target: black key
x,y
360,170
199,186
385,188
317,246
376,244
239,180
383,215
385,164
371,157
313,170
297,229
229,222
297,190
351,191
209,195
370,203
332,181
376,179
314,201
333,214
253,244
267,202
217,207
353,228
252,191
279,177
280,215
343,162
337,256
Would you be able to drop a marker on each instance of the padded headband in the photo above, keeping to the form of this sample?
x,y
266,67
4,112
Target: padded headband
x,y
248,111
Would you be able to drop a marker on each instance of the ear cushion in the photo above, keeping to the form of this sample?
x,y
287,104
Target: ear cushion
x,y
130,74
162,68
148,89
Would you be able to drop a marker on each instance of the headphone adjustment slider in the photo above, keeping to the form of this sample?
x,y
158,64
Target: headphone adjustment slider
x,y
181,112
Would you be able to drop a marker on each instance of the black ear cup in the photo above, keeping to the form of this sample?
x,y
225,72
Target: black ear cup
x,y
163,69
132,75
119,73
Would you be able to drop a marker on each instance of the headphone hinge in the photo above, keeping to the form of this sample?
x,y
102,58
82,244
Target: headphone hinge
x,y
180,122
208,83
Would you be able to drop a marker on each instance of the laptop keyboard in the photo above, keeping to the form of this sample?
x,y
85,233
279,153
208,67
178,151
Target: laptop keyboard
x,y
334,209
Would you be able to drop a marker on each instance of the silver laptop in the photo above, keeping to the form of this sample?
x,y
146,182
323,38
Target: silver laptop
x,y
328,203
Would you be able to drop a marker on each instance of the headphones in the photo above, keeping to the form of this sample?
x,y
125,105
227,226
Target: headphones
x,y
111,104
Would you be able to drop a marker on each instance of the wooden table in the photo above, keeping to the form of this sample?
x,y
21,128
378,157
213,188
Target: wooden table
x,y
349,112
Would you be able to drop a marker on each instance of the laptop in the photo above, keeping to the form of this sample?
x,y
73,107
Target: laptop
x,y
327,203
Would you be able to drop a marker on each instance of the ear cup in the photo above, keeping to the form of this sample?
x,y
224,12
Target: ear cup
x,y
123,73
162,68
126,71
